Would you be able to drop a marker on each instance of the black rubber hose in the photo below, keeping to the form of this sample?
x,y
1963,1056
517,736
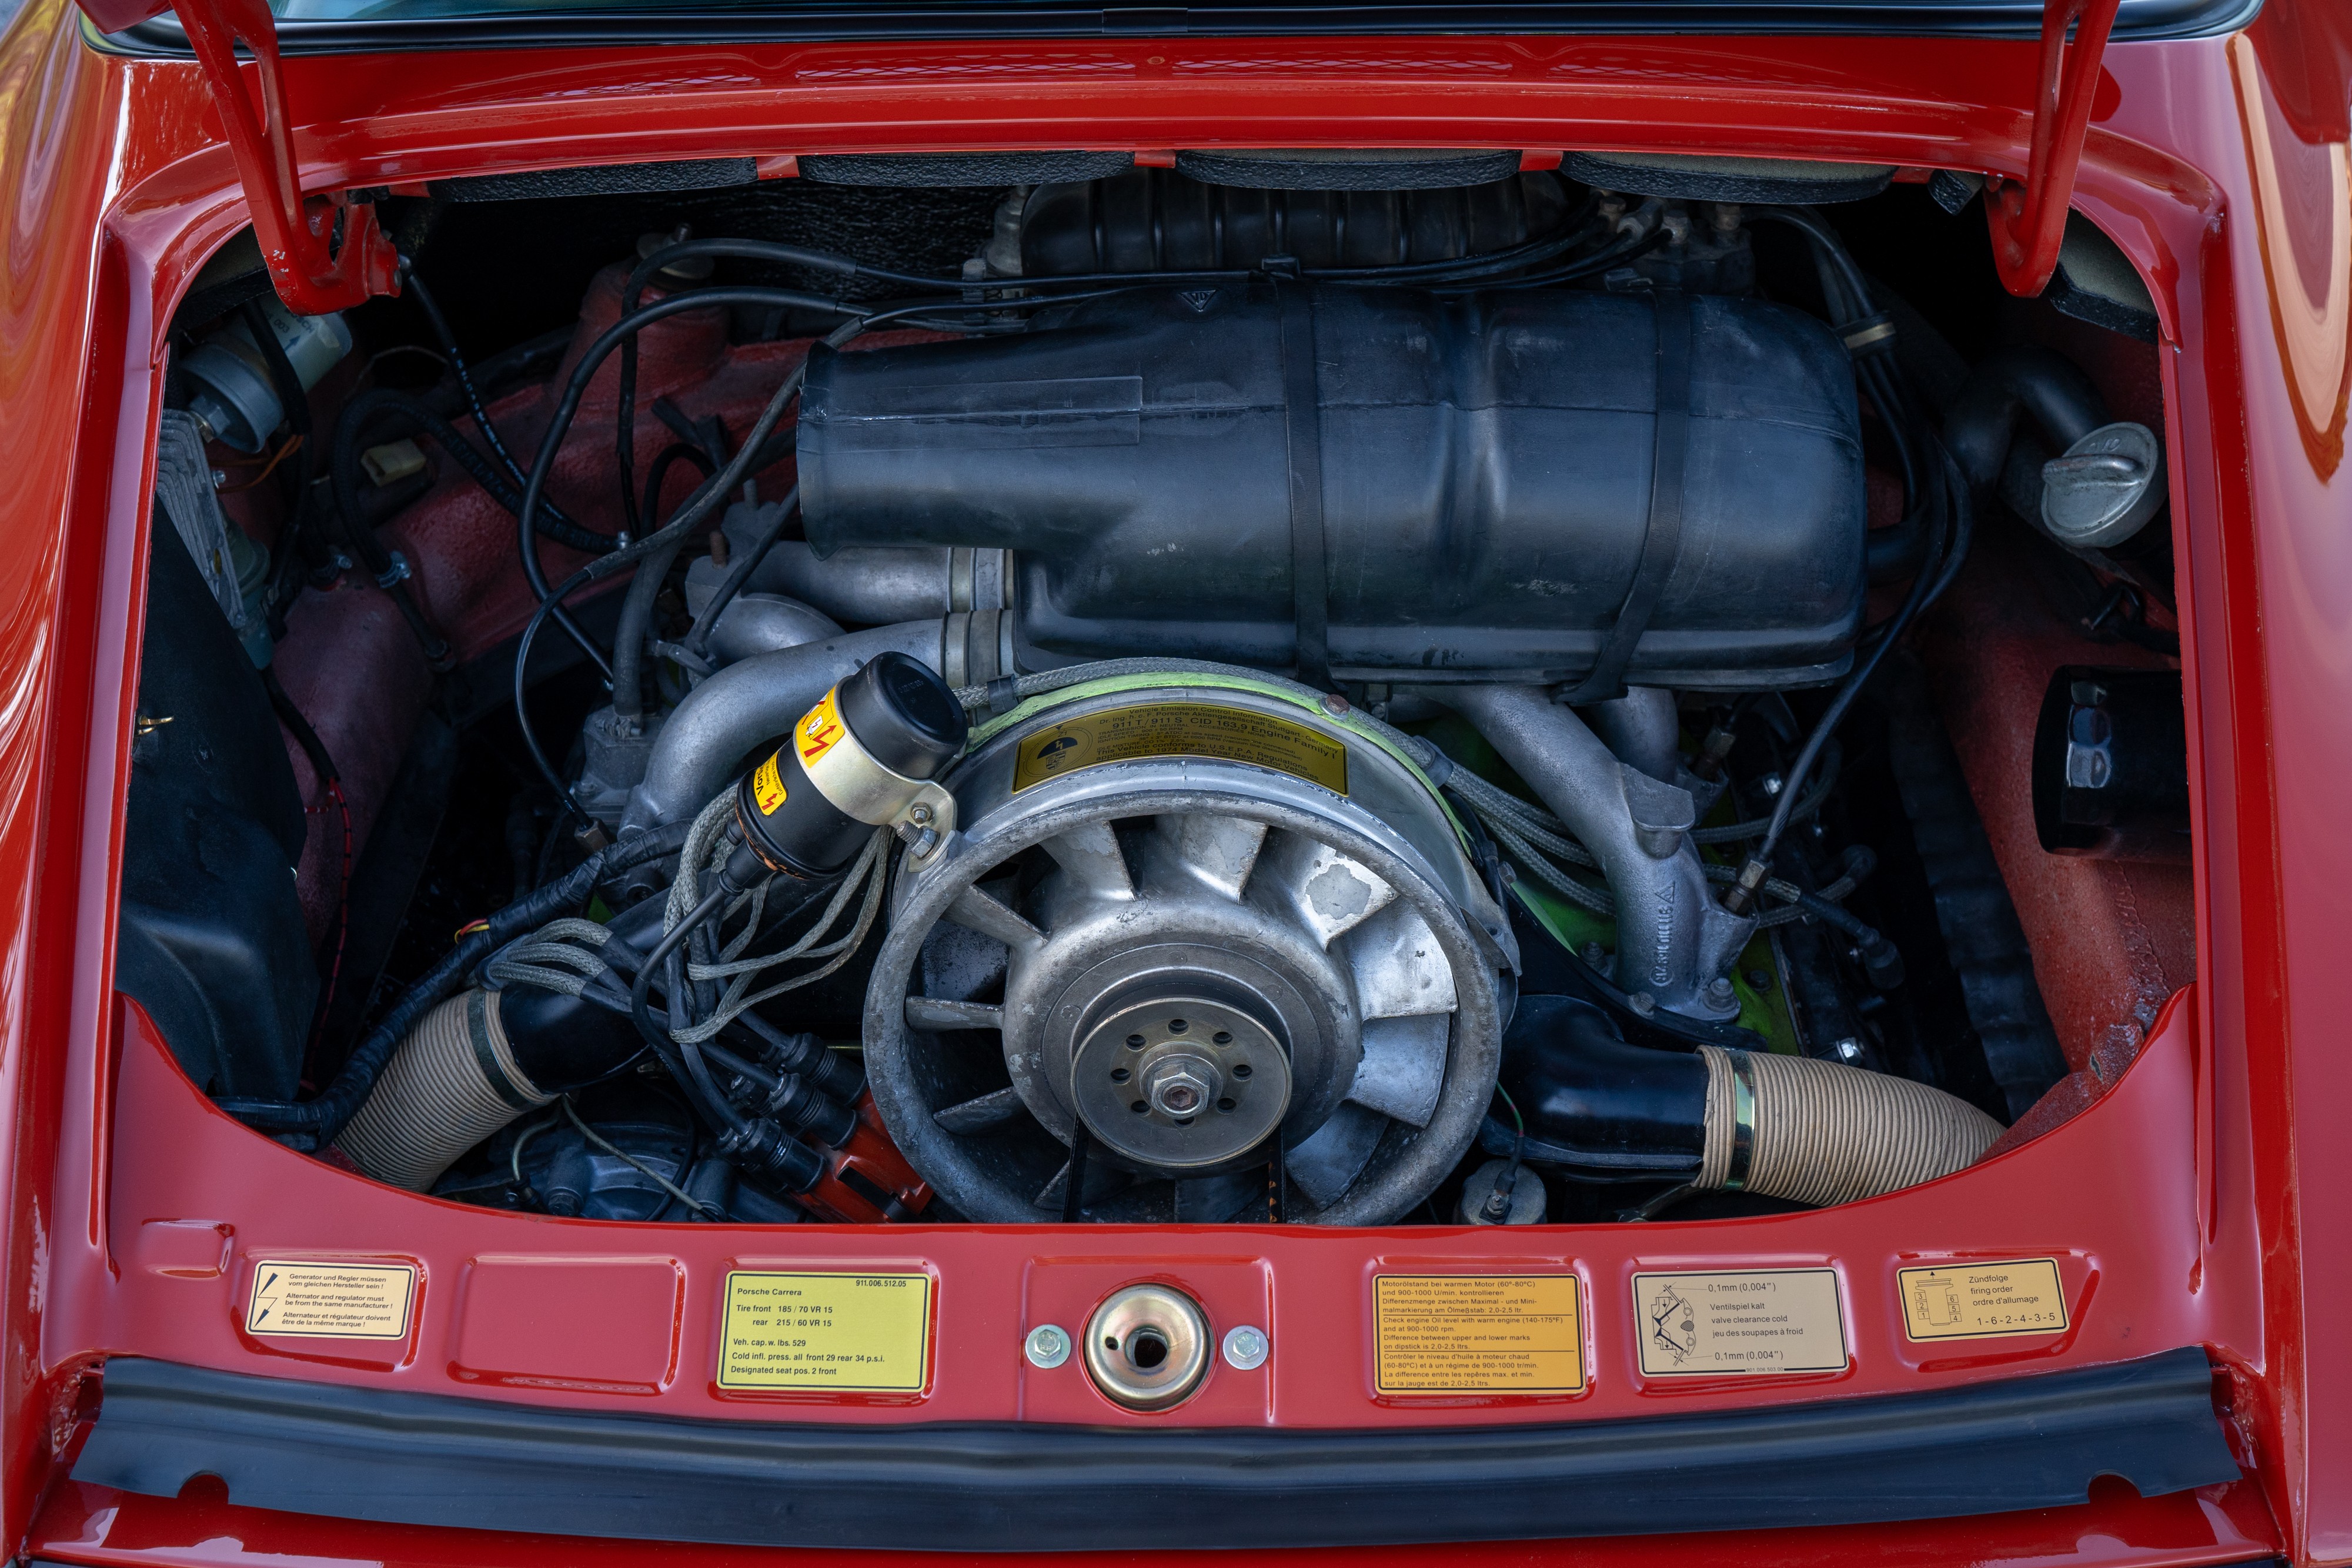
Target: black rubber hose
x,y
629,635
320,1119
2006,385
675,453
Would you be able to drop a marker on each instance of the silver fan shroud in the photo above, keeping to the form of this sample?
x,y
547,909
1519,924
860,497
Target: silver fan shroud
x,y
1205,950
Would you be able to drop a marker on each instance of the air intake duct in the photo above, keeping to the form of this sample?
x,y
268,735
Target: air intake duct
x,y
1783,1126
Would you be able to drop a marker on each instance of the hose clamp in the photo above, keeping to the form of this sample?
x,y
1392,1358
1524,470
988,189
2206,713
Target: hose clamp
x,y
1743,1119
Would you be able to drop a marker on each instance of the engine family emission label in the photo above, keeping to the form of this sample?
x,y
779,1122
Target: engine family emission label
x,y
1983,1300
331,1301
1455,1333
848,1332
1182,729
1756,1320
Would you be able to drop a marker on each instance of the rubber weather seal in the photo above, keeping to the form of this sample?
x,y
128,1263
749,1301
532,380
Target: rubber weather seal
x,y
372,1454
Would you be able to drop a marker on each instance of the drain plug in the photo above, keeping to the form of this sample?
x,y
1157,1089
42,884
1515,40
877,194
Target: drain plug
x,y
1147,1347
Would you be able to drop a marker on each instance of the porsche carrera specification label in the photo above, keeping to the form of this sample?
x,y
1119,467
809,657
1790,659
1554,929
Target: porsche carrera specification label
x,y
1983,1300
1182,729
847,1332
330,1300
1454,1334
1751,1321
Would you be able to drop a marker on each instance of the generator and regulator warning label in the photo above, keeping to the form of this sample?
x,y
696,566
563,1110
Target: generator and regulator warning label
x,y
1754,1320
1983,1300
331,1301
1454,1333
845,1332
1182,729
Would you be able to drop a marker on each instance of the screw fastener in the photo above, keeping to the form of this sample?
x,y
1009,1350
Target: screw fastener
x,y
1047,1347
1246,1348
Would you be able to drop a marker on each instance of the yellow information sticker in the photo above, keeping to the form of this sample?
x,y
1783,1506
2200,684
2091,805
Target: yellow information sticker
x,y
1459,1334
768,786
1748,1321
1983,1300
1182,729
847,1332
313,1300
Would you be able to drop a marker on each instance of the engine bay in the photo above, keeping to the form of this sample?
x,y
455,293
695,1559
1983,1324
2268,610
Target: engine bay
x,y
1348,689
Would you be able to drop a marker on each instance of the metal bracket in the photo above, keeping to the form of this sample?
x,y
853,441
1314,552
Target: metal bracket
x,y
2029,218
324,252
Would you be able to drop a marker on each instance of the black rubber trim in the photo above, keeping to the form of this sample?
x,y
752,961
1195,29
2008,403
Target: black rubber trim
x,y
1436,170
953,19
1662,539
602,180
962,169
417,1458
1762,181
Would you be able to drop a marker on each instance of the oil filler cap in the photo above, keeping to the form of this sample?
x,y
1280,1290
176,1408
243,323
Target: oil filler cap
x,y
1146,1347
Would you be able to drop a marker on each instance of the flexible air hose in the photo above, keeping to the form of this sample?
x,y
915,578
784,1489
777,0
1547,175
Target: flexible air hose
x,y
452,1083
1823,1132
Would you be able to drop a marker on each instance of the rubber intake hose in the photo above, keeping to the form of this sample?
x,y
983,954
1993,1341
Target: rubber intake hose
x,y
2007,385
452,1083
1785,1126
1823,1132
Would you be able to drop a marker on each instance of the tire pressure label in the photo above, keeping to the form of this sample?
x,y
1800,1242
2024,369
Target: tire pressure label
x,y
1732,1324
1455,1333
330,1300
1983,1300
1182,729
818,1332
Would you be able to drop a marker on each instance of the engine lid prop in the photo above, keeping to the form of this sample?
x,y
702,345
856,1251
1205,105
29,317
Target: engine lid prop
x,y
2029,217
325,252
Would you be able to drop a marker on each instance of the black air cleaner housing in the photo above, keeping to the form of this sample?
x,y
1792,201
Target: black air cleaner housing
x,y
1486,478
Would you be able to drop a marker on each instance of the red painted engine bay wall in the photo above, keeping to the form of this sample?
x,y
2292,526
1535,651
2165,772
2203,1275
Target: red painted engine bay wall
x,y
2172,1202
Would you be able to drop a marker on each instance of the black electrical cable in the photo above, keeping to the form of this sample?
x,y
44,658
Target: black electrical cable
x,y
385,402
1941,506
318,1120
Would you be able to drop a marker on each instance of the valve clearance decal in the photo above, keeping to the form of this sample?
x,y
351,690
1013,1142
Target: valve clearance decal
x,y
1983,1300
1731,1324
1182,729
1456,1333
330,1300
844,1331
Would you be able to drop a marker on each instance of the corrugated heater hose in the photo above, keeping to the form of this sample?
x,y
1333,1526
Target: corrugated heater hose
x,y
1823,1133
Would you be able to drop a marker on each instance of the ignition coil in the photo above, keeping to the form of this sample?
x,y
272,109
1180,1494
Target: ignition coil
x,y
863,758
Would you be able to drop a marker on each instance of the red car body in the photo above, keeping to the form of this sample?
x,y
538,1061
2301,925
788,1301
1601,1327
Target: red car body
x,y
2198,1201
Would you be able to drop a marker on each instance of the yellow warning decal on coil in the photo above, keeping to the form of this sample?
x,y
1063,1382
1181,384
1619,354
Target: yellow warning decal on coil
x,y
331,1301
1983,1300
820,729
1459,1334
1754,1320
847,1332
768,786
1182,729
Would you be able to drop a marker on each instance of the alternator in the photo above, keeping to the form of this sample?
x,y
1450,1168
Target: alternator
x,y
1217,933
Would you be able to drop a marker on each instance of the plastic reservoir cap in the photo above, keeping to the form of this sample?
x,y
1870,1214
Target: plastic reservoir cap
x,y
2106,488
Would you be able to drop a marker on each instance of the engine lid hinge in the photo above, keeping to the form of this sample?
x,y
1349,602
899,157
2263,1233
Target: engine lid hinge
x,y
325,252
2029,217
